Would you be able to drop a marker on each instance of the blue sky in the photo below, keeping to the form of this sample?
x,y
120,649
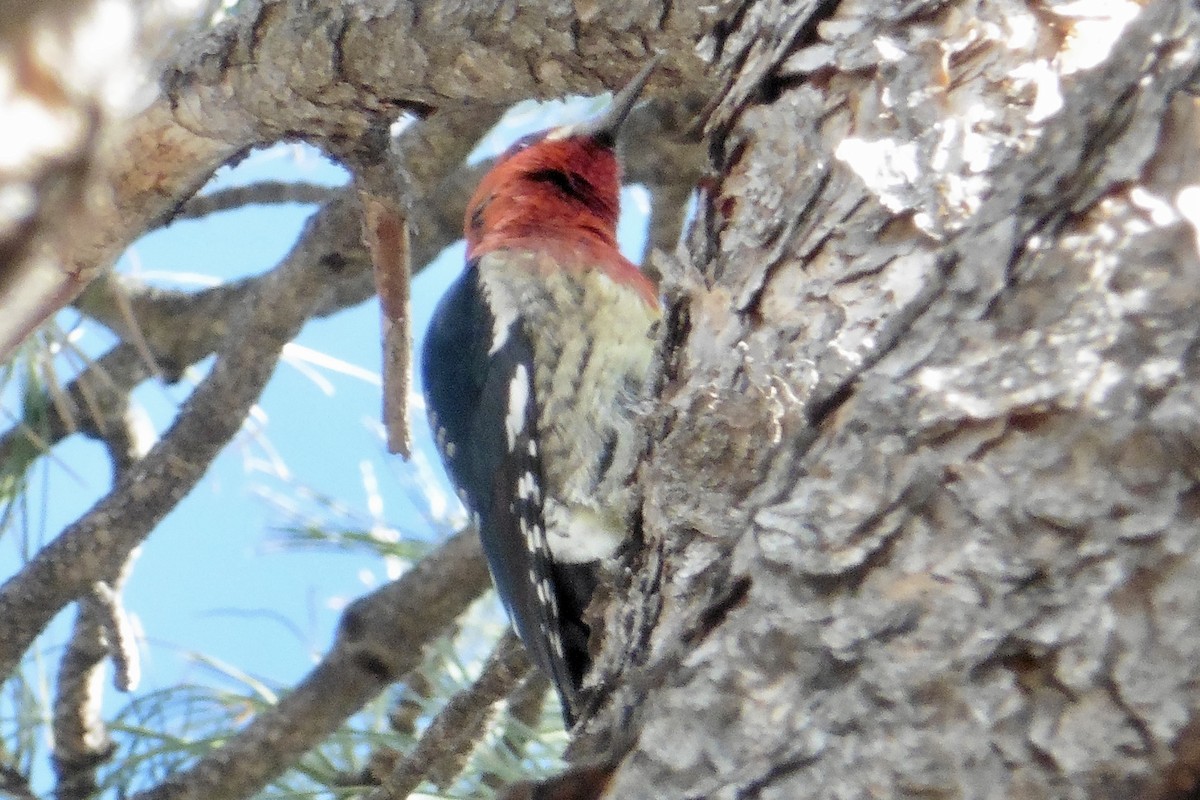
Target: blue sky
x,y
213,578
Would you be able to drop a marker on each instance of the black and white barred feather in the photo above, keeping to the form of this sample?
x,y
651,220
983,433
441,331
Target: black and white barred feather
x,y
483,410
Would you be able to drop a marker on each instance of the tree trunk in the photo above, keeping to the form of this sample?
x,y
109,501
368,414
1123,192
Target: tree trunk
x,y
921,514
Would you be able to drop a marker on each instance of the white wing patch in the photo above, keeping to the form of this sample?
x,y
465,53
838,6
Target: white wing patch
x,y
500,332
518,399
527,488
500,277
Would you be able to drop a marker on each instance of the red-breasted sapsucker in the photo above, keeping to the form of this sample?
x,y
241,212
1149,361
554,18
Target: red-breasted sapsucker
x,y
533,364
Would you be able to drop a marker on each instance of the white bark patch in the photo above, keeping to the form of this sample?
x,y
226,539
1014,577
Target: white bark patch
x,y
1096,26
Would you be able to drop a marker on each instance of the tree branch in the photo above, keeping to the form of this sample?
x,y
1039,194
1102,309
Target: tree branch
x,y
260,193
525,705
81,743
75,72
15,784
342,83
95,545
101,387
455,731
380,637
391,179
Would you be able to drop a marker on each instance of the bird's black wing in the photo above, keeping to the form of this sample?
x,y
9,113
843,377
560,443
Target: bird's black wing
x,y
480,393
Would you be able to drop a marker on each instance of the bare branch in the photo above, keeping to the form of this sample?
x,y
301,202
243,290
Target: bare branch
x,y
15,784
456,730
108,379
380,636
81,743
120,636
525,706
123,199
433,61
408,709
385,229
527,701
390,183
95,545
102,629
260,193
73,71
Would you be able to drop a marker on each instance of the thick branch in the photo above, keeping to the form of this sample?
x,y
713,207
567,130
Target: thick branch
x,y
73,73
152,167
249,81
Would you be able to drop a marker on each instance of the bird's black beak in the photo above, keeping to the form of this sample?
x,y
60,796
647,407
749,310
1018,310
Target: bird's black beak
x,y
604,128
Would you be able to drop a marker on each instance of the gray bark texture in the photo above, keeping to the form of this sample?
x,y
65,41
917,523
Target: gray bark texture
x,y
921,519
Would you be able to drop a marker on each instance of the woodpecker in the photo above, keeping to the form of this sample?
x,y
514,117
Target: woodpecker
x,y
533,367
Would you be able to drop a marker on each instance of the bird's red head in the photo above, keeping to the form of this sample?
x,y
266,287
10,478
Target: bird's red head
x,y
558,190
546,186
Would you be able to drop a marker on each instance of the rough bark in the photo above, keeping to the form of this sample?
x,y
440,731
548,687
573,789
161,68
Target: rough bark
x,y
74,174
922,516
